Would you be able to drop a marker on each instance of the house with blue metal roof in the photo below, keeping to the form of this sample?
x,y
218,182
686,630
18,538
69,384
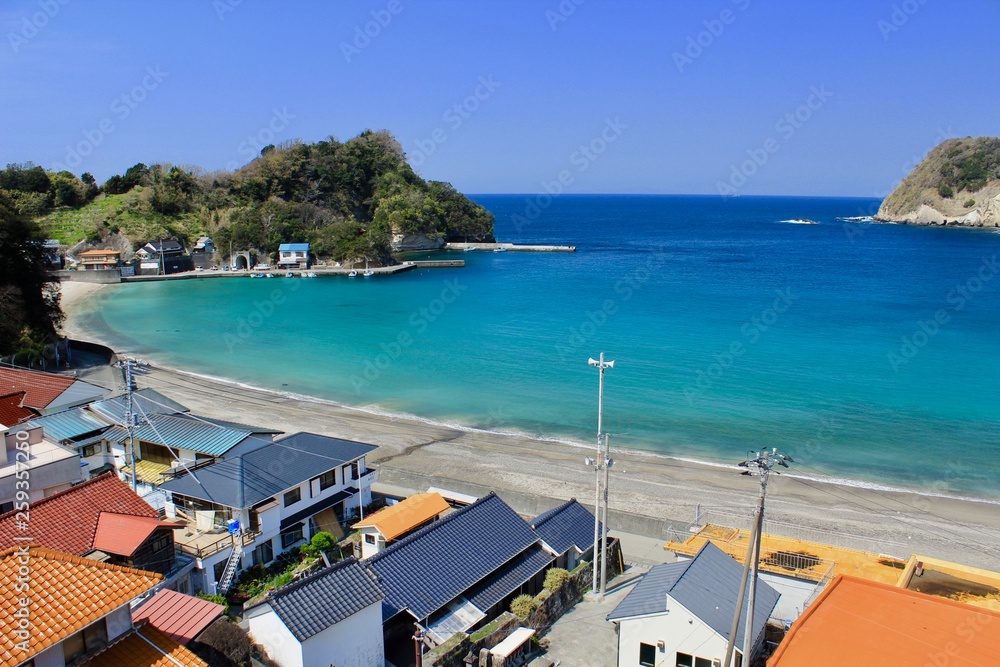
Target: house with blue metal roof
x,y
332,617
457,573
682,613
273,496
568,532
293,256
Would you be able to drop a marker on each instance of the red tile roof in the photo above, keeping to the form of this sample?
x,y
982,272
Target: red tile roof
x,y
122,534
65,594
40,388
67,520
11,409
181,617
145,646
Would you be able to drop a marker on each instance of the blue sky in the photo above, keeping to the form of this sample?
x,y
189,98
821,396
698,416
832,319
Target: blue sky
x,y
782,97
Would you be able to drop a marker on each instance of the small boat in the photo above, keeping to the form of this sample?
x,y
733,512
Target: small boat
x,y
289,274
368,272
352,274
500,248
469,249
270,275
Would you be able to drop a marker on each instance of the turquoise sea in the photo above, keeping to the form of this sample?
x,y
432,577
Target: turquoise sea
x,y
868,352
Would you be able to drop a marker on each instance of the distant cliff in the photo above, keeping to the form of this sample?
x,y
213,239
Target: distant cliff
x,y
958,183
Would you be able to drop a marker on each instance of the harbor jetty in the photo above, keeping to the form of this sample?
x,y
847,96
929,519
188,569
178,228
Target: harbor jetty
x,y
513,247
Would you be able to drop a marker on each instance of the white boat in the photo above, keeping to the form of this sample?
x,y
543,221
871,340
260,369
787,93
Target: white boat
x,y
352,274
368,272
469,249
289,274
500,248
270,275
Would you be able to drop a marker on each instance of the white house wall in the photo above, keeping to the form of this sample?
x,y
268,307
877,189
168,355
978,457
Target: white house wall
x,y
281,645
794,593
354,642
680,631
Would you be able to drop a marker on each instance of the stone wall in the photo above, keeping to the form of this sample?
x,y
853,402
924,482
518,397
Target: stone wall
x,y
452,653
101,277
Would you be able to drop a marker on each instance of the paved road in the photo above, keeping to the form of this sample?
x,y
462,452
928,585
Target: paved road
x,y
582,638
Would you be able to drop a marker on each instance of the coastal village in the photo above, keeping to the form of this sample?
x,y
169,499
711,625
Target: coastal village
x,y
136,532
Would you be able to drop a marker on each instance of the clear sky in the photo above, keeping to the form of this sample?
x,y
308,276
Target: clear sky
x,y
670,97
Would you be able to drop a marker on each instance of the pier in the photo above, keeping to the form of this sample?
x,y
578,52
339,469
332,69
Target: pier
x,y
512,247
281,273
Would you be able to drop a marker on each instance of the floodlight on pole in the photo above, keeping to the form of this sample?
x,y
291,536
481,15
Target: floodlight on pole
x,y
759,464
600,464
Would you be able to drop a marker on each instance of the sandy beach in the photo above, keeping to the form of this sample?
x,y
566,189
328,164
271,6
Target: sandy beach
x,y
650,494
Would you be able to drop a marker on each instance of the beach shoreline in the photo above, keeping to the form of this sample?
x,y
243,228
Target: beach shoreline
x,y
666,492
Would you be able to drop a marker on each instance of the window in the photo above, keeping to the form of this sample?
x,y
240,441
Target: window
x,y
705,662
92,450
87,640
370,538
355,470
263,554
291,536
161,542
293,496
328,479
6,507
684,660
647,655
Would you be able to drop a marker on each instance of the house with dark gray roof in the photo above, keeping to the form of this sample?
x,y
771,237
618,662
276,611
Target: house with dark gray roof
x,y
274,494
458,572
682,613
568,532
332,617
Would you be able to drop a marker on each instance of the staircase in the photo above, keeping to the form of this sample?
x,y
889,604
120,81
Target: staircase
x,y
230,572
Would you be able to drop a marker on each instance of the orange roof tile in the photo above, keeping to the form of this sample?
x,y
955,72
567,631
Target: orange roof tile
x,y
99,253
406,515
67,520
12,410
40,388
66,593
878,624
145,646
182,617
122,534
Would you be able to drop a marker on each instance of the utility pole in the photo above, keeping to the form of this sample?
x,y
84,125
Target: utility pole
x,y
759,464
129,417
604,516
598,465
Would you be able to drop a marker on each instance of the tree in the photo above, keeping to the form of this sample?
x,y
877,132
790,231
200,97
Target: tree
x,y
30,297
223,644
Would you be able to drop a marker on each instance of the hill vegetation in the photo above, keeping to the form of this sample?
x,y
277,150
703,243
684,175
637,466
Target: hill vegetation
x,y
347,199
957,183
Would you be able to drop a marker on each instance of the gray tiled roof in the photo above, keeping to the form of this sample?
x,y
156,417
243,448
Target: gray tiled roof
x,y
569,525
252,477
314,603
706,586
509,578
426,570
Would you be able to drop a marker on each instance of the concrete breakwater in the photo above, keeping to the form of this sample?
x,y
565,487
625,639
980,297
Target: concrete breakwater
x,y
510,246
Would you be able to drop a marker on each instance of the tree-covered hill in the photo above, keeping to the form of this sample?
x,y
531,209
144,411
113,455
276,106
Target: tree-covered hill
x,y
347,199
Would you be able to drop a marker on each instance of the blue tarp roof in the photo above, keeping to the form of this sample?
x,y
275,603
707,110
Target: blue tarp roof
x,y
293,247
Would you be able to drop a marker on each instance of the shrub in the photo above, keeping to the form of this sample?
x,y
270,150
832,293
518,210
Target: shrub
x,y
969,203
555,578
945,190
523,605
323,541
224,644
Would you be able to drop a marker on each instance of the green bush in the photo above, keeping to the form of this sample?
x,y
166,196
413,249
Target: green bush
x,y
217,599
523,605
969,203
946,191
323,541
555,578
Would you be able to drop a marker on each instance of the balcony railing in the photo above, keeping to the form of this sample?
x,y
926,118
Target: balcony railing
x,y
247,537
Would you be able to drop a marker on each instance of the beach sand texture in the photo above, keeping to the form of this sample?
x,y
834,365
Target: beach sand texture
x,y
652,495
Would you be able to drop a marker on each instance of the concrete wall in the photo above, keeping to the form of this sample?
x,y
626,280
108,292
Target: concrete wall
x,y
794,593
105,277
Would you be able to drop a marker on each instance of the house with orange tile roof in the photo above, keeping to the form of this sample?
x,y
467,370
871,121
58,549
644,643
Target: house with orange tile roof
x,y
53,467
12,409
103,519
100,260
145,646
397,521
46,393
861,622
58,609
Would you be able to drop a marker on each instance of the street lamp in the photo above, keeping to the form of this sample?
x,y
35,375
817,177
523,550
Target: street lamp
x,y
601,463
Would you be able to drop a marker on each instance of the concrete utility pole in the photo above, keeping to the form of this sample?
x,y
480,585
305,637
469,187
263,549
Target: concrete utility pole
x,y
760,465
599,464
604,516
129,417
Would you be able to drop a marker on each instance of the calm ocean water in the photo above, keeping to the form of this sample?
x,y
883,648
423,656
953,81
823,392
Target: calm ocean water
x,y
866,351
